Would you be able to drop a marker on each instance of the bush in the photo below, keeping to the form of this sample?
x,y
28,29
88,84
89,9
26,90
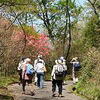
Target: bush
x,y
89,82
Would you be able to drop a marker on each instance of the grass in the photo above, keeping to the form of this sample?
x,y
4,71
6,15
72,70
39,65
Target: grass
x,y
73,89
4,82
47,76
5,97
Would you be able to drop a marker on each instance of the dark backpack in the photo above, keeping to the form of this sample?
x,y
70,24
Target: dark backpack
x,y
40,61
77,65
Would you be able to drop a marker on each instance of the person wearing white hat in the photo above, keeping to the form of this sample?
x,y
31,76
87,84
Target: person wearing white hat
x,y
19,69
57,80
39,58
75,66
39,66
27,78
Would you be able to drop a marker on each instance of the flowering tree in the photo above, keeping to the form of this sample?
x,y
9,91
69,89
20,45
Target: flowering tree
x,y
40,44
14,41
35,43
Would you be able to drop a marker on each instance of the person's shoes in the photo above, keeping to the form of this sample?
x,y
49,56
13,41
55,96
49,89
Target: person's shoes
x,y
54,95
19,83
60,95
35,83
23,92
32,93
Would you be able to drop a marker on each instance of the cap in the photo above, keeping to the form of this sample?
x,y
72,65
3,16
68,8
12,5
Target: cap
x,y
39,56
27,60
59,61
61,57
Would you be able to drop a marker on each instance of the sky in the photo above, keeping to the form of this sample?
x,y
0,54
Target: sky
x,y
80,2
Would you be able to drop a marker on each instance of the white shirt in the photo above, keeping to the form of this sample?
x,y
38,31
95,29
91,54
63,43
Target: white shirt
x,y
53,71
36,61
39,67
56,67
20,65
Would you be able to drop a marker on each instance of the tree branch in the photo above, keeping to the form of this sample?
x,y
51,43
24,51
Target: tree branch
x,y
8,3
14,20
23,32
93,6
69,31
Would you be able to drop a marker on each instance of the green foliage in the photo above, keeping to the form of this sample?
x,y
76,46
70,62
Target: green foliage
x,y
6,97
89,83
5,81
23,6
29,30
86,45
92,31
53,14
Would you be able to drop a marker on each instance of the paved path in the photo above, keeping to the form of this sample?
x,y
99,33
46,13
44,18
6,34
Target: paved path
x,y
43,94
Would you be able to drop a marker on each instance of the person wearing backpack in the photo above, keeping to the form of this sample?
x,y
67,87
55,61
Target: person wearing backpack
x,y
75,67
57,77
39,58
19,69
40,69
27,75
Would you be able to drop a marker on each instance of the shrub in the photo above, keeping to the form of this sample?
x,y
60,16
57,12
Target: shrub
x,y
89,82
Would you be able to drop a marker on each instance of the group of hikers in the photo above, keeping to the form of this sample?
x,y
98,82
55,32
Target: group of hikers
x,y
27,70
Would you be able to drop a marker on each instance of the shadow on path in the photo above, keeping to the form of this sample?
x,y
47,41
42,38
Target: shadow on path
x,y
42,94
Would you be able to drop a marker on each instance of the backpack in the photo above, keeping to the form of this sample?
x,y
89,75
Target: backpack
x,y
59,72
76,65
30,69
40,61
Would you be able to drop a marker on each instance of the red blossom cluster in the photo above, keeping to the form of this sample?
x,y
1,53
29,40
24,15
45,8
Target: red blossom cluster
x,y
40,43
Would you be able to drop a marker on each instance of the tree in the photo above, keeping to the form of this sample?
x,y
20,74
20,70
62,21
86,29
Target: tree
x,y
37,43
95,5
55,16
12,44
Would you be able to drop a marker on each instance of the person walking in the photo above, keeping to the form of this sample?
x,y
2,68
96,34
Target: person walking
x,y
57,78
27,75
40,69
19,69
75,67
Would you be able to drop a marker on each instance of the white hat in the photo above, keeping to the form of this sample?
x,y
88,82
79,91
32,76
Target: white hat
x,y
62,58
27,60
75,58
56,61
59,61
39,56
